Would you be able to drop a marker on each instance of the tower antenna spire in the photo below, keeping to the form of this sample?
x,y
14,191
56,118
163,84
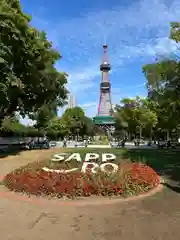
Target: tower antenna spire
x,y
105,40
105,55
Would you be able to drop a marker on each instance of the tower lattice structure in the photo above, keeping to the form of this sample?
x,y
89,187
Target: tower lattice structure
x,y
105,105
104,116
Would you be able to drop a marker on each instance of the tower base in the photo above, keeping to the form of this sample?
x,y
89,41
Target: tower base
x,y
104,120
106,123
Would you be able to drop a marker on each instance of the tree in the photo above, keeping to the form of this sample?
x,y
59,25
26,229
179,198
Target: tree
x,y
163,82
57,128
12,127
175,31
74,119
126,117
28,78
88,127
135,116
44,115
146,117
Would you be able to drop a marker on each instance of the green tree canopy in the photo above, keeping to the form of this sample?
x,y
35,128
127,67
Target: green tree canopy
x,y
12,127
134,115
74,119
163,81
28,78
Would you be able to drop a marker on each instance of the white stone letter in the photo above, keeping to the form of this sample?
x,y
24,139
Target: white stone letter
x,y
93,169
75,156
104,165
91,157
108,157
58,157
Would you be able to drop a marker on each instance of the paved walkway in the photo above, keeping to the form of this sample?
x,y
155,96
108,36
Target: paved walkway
x,y
153,218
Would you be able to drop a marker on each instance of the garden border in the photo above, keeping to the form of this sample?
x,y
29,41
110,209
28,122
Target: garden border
x,y
89,201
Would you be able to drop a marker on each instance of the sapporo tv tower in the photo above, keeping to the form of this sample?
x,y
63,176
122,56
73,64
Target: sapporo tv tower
x,y
104,118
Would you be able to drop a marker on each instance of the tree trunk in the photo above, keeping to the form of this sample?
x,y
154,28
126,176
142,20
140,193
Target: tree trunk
x,y
1,121
140,132
150,134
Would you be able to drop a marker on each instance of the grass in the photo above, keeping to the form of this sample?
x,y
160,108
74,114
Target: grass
x,y
165,161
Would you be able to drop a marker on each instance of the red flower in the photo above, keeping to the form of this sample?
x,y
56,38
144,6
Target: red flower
x,y
78,184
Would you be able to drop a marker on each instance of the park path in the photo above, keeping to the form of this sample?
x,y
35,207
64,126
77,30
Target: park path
x,y
156,217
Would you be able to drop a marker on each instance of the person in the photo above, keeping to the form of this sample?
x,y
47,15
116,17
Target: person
x,y
123,143
85,142
119,143
168,144
64,143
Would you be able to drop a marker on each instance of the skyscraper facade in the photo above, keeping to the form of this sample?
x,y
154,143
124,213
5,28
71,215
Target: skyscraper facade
x,y
71,101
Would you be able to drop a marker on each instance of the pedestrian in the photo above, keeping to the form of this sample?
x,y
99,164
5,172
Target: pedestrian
x,y
64,143
85,142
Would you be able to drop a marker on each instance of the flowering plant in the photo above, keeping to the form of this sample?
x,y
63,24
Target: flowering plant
x,y
134,178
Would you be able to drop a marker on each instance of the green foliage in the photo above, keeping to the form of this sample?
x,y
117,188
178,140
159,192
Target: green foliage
x,y
44,114
57,128
28,78
88,127
163,81
175,31
74,118
103,140
72,123
134,116
12,127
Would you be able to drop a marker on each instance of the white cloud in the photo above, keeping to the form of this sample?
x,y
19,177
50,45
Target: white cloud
x,y
82,79
139,30
89,104
26,121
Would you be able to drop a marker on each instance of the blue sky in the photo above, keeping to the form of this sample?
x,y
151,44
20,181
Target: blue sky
x,y
135,31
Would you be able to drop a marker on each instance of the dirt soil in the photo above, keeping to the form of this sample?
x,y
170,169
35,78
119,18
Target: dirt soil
x,y
156,217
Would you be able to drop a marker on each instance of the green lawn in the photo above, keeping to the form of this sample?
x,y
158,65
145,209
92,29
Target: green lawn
x,y
165,162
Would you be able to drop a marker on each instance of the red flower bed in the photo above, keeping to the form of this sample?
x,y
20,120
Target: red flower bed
x,y
133,179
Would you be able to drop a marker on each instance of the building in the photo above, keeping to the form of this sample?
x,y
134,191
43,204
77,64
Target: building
x,y
71,101
104,117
